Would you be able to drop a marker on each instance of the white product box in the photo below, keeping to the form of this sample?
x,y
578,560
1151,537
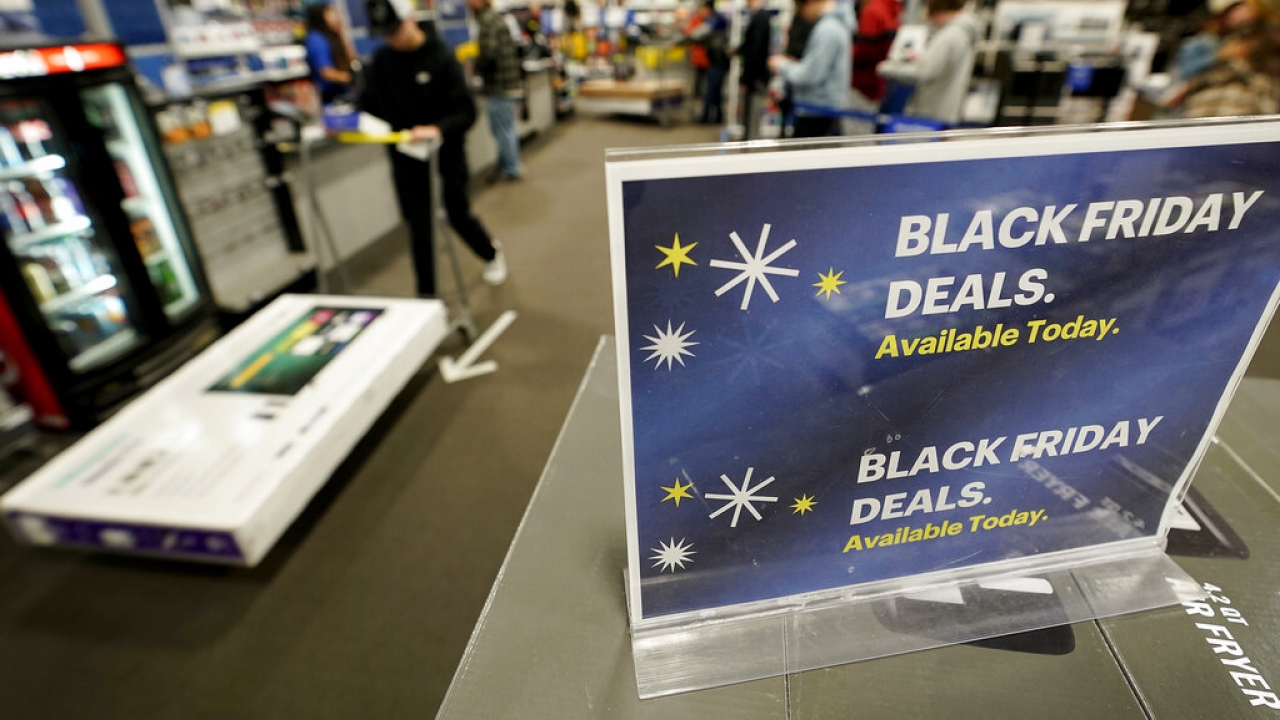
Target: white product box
x,y
217,460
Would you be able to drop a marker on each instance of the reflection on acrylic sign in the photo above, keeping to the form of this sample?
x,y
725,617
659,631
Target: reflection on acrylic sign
x,y
854,365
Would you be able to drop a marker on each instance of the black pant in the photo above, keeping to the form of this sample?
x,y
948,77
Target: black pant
x,y
749,90
413,191
713,99
813,127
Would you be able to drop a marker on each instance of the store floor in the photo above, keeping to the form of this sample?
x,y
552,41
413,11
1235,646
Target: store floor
x,y
365,607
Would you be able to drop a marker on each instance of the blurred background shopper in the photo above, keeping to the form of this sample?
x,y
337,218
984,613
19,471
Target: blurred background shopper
x,y
329,54
754,51
498,65
878,22
942,72
819,79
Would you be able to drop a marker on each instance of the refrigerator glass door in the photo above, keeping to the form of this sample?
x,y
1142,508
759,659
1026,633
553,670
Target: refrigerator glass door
x,y
70,268
109,108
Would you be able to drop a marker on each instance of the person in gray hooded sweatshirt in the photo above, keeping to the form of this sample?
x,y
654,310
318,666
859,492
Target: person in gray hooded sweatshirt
x,y
821,76
941,75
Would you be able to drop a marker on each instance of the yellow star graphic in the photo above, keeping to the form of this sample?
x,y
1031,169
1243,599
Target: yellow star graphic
x,y
677,255
803,505
829,283
677,492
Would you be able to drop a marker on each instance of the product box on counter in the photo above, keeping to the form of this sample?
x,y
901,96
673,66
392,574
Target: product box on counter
x,y
217,460
1220,657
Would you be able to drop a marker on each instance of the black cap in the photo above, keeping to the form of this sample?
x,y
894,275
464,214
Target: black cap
x,y
386,16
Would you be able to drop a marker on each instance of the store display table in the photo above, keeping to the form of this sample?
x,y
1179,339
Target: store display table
x,y
552,641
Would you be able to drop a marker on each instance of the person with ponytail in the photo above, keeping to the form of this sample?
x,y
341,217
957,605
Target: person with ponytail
x,y
329,55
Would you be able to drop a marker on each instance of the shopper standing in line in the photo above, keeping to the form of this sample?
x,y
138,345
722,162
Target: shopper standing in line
x,y
713,35
878,24
797,36
498,64
941,74
757,41
414,83
698,58
820,78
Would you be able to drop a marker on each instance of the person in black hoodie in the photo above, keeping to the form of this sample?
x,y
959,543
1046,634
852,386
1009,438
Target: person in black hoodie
x,y
415,84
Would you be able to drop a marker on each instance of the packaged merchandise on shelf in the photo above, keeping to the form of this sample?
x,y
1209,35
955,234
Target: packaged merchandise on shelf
x,y
197,121
223,117
173,129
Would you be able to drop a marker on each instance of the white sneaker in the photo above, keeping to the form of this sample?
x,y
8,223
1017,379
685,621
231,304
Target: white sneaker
x,y
495,271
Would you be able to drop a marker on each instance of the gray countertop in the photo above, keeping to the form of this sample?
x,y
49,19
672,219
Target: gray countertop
x,y
553,641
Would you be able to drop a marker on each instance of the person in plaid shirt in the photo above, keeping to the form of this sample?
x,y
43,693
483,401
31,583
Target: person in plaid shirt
x,y
498,64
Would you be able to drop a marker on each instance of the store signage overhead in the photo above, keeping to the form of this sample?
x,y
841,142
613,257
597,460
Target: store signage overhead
x,y
858,365
38,62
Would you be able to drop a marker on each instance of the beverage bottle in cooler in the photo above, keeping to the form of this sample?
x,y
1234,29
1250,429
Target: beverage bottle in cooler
x,y
144,236
66,260
42,199
102,319
116,309
27,205
54,270
93,113
166,282
84,260
34,134
65,199
11,214
126,179
10,155
38,281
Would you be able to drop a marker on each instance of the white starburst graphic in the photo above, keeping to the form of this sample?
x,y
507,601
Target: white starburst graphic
x,y
756,268
672,555
742,497
669,346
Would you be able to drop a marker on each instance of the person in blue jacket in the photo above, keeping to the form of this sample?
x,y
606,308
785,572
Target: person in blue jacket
x,y
328,53
820,77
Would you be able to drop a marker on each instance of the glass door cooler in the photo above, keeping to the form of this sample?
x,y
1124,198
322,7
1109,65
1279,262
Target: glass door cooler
x,y
101,292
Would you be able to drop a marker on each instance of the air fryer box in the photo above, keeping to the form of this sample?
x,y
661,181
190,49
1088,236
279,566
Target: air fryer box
x,y
216,461
1218,658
